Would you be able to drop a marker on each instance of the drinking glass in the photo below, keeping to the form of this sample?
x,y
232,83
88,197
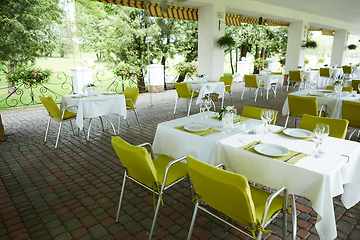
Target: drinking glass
x,y
264,119
269,117
202,105
325,130
316,137
208,103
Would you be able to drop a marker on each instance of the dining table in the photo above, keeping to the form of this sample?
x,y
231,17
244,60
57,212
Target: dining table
x,y
204,88
324,97
268,79
318,179
99,105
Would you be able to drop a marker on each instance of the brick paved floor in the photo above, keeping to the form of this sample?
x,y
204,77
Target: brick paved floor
x,y
72,192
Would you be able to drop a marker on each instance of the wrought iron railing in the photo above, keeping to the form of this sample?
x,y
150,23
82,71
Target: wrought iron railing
x,y
26,95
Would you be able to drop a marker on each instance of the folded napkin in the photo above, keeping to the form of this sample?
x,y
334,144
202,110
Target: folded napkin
x,y
280,132
282,158
315,95
236,120
108,93
200,133
78,96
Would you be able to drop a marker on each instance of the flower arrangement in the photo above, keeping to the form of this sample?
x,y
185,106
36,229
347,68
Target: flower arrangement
x,y
89,85
186,68
127,71
282,62
201,75
226,110
337,83
29,75
306,60
321,60
261,63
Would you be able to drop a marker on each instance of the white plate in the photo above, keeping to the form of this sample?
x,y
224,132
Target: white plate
x,y
326,91
317,94
196,127
106,93
297,133
272,150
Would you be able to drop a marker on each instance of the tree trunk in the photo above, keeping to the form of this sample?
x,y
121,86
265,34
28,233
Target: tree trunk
x,y
231,63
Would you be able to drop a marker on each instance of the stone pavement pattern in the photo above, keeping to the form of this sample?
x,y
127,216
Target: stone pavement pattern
x,y
72,192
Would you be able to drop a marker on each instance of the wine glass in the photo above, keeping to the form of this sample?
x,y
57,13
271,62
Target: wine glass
x,y
202,105
208,105
264,118
269,117
326,130
316,137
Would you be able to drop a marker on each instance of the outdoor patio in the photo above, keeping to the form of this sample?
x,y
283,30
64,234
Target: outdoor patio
x,y
72,192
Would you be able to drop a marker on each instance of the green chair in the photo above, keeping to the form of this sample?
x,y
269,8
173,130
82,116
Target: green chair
x,y
56,114
338,127
344,89
183,91
131,96
252,82
298,106
228,81
347,72
351,112
155,174
355,85
231,194
255,113
280,83
325,75
294,78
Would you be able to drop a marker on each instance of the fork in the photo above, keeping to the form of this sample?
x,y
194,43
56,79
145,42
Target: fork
x,y
252,145
293,156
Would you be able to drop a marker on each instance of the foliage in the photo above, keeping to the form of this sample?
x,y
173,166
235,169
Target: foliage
x,y
352,47
282,61
321,59
186,68
226,110
311,44
261,63
306,60
226,41
26,29
127,71
337,83
29,75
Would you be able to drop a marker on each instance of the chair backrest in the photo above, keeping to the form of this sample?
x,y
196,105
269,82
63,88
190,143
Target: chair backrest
x,y
347,69
351,112
344,89
314,69
276,73
298,106
338,127
251,81
324,72
227,81
295,76
131,93
51,107
255,113
225,191
355,85
136,160
183,90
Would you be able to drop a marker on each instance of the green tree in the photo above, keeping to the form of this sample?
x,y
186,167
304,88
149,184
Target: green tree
x,y
25,29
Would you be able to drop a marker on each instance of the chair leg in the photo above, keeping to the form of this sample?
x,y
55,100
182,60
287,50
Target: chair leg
x,y
176,100
189,106
72,128
127,121
287,120
256,93
121,196
293,216
242,95
352,133
193,221
47,128
102,124
231,98
137,118
154,220
58,135
118,130
88,134
287,88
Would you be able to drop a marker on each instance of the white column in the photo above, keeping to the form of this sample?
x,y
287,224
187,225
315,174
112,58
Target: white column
x,y
338,53
294,52
211,57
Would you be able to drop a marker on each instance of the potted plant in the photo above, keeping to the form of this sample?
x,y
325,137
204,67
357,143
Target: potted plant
x,y
352,47
260,64
28,75
338,84
185,68
311,44
227,115
127,71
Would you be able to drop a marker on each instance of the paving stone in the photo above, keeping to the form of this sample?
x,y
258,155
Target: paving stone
x,y
97,231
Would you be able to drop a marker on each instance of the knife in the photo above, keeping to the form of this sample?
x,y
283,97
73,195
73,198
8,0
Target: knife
x,y
293,156
208,133
258,142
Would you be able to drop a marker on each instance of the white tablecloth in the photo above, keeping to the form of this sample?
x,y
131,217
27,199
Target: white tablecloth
x,y
333,108
207,88
318,179
91,107
310,76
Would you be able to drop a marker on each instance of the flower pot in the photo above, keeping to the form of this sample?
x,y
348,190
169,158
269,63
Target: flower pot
x,y
181,79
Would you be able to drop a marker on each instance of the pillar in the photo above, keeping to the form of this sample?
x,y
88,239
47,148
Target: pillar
x,y
338,53
211,57
295,51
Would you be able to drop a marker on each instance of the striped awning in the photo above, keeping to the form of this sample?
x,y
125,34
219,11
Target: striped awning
x,y
327,32
154,9
185,13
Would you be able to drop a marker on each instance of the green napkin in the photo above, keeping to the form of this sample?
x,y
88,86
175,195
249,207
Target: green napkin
x,y
108,93
236,120
282,158
280,132
78,97
200,133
